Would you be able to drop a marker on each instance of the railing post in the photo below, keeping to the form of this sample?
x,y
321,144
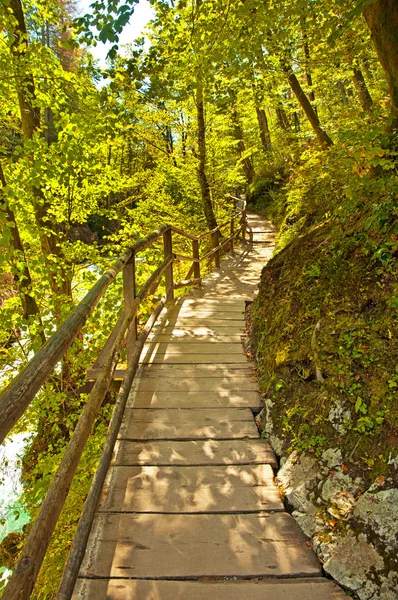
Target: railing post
x,y
232,232
195,254
216,242
244,223
129,294
167,250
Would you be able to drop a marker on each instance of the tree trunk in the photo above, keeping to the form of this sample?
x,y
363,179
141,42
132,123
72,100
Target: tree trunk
x,y
264,129
30,118
201,171
296,120
359,82
362,90
281,116
307,107
247,164
308,74
21,274
343,94
382,19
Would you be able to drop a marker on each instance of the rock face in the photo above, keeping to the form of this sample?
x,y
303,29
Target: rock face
x,y
353,531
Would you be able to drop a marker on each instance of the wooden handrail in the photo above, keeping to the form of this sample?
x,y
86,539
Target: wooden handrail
x,y
18,395
21,391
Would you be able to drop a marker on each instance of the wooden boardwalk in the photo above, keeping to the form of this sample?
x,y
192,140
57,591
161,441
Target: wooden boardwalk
x,y
189,510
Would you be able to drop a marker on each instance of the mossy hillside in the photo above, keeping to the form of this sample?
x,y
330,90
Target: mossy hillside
x,y
326,319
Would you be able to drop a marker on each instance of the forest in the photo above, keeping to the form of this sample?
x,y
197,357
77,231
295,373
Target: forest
x,y
292,104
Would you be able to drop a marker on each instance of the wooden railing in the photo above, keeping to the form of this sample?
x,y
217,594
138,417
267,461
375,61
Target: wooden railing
x,y
20,393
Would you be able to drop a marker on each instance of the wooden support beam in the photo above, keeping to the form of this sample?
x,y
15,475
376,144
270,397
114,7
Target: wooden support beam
x,y
196,263
129,294
216,244
232,236
167,251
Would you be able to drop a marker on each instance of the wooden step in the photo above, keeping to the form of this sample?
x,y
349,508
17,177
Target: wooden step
x,y
200,334
275,589
195,452
186,424
192,347
195,384
173,400
218,370
192,546
181,490
234,325
187,359
204,314
222,303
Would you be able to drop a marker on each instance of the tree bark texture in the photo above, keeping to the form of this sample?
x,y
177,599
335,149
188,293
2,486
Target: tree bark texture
x,y
323,138
382,20
362,89
308,74
281,116
265,135
201,171
247,164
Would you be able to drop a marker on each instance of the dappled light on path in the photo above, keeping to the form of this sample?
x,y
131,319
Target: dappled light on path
x,y
189,508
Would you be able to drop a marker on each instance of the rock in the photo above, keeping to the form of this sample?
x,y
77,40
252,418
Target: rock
x,y
332,457
342,504
389,587
351,561
339,415
337,484
276,443
295,478
379,511
306,522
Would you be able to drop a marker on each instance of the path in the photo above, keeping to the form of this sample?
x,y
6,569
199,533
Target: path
x,y
190,510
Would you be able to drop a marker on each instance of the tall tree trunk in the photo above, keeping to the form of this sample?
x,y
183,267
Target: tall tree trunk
x,y
362,89
382,19
21,274
201,171
359,82
265,135
343,94
307,107
281,116
247,164
184,137
308,74
368,70
30,118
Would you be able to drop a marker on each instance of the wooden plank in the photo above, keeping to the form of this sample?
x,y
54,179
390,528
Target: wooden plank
x,y
275,589
187,359
191,453
219,370
234,325
192,348
226,303
192,384
184,336
192,423
187,546
173,400
178,489
204,313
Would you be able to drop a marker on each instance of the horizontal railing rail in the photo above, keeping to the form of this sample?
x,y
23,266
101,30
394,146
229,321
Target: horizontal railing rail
x,y
124,336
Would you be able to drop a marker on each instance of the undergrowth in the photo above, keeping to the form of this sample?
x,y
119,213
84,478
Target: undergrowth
x,y
326,318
